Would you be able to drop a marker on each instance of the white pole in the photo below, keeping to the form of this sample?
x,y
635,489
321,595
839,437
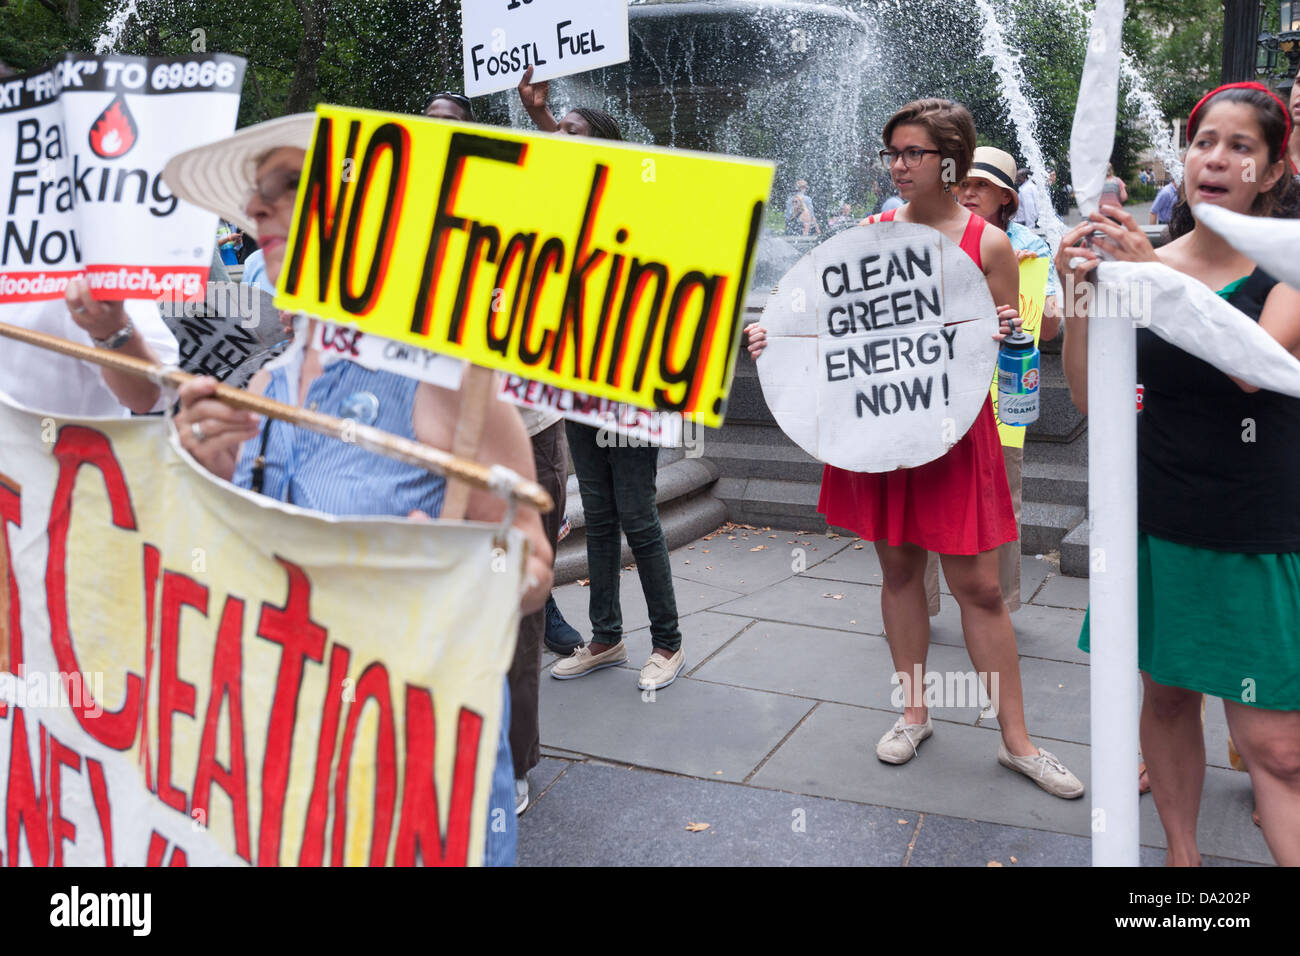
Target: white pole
x,y
1112,590
1112,477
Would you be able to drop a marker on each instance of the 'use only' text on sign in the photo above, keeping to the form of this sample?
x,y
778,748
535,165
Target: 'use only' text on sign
x,y
612,269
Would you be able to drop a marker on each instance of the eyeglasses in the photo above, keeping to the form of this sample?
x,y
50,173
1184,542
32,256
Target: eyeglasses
x,y
912,156
272,187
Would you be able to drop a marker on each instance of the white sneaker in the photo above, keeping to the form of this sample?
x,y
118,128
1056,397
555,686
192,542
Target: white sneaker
x,y
899,745
1046,770
521,795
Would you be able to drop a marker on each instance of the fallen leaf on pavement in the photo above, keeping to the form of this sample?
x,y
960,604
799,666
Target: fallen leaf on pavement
x,y
761,547
834,597
994,863
697,827
688,560
1014,860
857,547
902,822
583,582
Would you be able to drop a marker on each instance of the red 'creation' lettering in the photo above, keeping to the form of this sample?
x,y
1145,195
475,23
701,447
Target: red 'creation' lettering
x,y
302,638
77,446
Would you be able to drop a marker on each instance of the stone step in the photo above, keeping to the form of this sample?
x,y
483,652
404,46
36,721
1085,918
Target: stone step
x,y
771,502
1075,555
683,520
754,451
1054,483
1043,526
681,478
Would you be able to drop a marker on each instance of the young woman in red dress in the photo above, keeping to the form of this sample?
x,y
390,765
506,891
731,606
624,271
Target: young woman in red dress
x,y
958,506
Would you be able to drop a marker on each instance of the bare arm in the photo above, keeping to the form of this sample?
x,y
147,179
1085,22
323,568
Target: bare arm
x,y
1280,319
1074,352
1051,324
1001,268
533,95
101,320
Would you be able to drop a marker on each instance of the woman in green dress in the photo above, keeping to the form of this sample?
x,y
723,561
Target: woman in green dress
x,y
1218,491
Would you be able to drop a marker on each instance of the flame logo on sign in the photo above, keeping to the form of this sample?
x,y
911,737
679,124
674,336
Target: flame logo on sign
x,y
114,132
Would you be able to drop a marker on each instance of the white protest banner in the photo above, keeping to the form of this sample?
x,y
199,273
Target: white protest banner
x,y
880,347
82,147
663,429
503,38
385,355
198,675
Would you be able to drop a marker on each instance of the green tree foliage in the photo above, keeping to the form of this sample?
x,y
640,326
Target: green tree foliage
x,y
392,54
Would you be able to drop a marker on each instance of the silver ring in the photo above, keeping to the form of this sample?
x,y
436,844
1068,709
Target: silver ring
x,y
197,431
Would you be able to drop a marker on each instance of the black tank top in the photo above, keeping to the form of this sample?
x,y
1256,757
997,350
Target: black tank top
x,y
1217,467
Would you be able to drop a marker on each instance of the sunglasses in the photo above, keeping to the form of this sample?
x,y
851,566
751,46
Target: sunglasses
x,y
272,187
457,98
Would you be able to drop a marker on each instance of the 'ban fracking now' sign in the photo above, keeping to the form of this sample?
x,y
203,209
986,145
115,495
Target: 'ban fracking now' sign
x,y
503,38
559,259
82,147
880,347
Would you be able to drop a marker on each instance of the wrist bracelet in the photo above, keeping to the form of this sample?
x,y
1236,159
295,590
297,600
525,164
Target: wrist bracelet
x,y
118,338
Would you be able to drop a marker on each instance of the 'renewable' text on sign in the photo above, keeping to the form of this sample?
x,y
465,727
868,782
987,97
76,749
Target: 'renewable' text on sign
x,y
615,270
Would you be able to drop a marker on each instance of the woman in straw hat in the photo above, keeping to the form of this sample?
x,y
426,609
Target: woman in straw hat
x,y
989,191
251,178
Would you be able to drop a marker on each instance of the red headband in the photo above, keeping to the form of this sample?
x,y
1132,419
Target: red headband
x,y
1249,85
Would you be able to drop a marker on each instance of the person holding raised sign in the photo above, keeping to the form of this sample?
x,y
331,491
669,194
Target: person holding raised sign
x,y
989,191
957,505
617,484
251,178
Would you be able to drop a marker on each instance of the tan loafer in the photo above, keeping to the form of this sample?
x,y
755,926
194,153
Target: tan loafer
x,y
582,662
658,672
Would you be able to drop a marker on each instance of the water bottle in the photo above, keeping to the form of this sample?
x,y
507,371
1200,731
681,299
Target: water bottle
x,y
1018,380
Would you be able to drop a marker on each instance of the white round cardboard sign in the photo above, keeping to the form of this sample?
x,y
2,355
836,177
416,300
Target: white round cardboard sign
x,y
880,347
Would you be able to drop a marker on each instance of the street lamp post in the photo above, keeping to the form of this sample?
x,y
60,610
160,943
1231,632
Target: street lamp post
x,y
1240,39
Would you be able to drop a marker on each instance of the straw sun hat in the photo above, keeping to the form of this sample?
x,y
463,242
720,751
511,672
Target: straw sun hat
x,y
220,176
999,168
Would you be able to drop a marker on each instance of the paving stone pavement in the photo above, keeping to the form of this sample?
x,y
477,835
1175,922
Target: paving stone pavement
x,y
769,735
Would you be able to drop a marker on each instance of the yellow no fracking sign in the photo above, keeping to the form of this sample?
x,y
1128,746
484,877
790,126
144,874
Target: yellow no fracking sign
x,y
613,269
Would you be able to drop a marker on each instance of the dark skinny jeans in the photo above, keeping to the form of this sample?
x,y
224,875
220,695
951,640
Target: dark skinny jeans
x,y
618,490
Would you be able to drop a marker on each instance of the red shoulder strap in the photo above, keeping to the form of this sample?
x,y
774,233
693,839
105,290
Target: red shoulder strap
x,y
970,238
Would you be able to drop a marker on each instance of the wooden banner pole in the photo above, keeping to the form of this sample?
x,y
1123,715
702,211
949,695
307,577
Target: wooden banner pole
x,y
475,393
372,439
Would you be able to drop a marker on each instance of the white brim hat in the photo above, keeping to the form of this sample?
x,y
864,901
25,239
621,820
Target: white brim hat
x,y
220,176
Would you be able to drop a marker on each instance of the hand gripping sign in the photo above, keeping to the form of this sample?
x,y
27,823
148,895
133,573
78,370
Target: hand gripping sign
x,y
880,347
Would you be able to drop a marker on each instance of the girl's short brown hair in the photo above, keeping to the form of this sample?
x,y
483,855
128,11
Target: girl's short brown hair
x,y
949,124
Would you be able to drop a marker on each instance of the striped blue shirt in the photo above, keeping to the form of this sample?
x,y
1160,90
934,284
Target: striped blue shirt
x,y
325,474
1022,237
